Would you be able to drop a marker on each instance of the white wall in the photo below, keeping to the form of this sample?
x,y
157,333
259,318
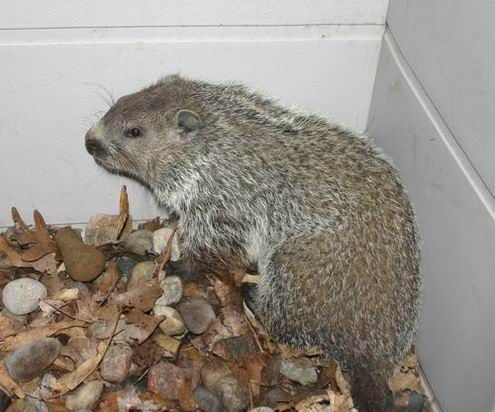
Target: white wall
x,y
433,112
56,57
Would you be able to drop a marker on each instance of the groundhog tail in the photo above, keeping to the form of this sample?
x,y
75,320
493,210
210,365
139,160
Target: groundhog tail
x,y
370,391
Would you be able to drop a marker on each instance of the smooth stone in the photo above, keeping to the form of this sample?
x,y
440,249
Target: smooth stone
x,y
22,296
139,242
172,291
299,370
173,325
167,380
85,397
218,379
32,359
142,272
116,363
207,401
83,263
261,409
160,240
197,313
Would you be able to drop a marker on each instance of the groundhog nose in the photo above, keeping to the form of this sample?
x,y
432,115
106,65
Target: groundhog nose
x,y
92,144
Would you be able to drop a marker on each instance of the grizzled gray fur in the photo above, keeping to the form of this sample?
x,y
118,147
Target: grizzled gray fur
x,y
315,208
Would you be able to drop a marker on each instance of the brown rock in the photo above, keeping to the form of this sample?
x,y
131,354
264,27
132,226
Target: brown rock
x,y
116,363
218,379
83,262
197,314
166,380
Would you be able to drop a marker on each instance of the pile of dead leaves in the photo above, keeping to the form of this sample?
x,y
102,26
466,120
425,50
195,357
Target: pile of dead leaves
x,y
104,337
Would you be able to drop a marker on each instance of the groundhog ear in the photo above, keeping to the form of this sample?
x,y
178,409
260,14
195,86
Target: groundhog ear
x,y
188,120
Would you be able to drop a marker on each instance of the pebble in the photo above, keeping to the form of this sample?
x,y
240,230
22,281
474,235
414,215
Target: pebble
x,y
139,242
160,239
172,291
103,228
207,401
32,359
300,370
261,409
142,272
85,397
167,380
197,313
173,325
218,379
82,262
116,363
22,296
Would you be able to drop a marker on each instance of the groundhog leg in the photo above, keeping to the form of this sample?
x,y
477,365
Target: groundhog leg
x,y
304,301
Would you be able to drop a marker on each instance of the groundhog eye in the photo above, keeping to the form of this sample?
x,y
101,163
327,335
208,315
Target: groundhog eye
x,y
135,132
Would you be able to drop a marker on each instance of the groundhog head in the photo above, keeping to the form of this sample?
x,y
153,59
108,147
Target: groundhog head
x,y
145,131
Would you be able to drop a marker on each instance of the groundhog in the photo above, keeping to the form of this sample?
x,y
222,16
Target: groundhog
x,y
316,209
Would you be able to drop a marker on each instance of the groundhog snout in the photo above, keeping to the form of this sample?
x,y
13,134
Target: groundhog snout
x,y
93,146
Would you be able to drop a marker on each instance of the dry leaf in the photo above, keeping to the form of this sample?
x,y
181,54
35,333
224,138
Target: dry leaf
x,y
66,294
142,297
151,225
167,343
316,403
73,379
8,250
108,280
123,211
42,243
406,377
164,257
28,336
7,327
140,326
8,384
46,264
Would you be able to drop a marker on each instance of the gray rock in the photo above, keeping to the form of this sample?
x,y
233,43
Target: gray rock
x,y
140,242
207,401
261,409
300,370
125,265
142,272
218,379
173,325
116,363
85,397
172,291
197,313
32,359
160,239
22,296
